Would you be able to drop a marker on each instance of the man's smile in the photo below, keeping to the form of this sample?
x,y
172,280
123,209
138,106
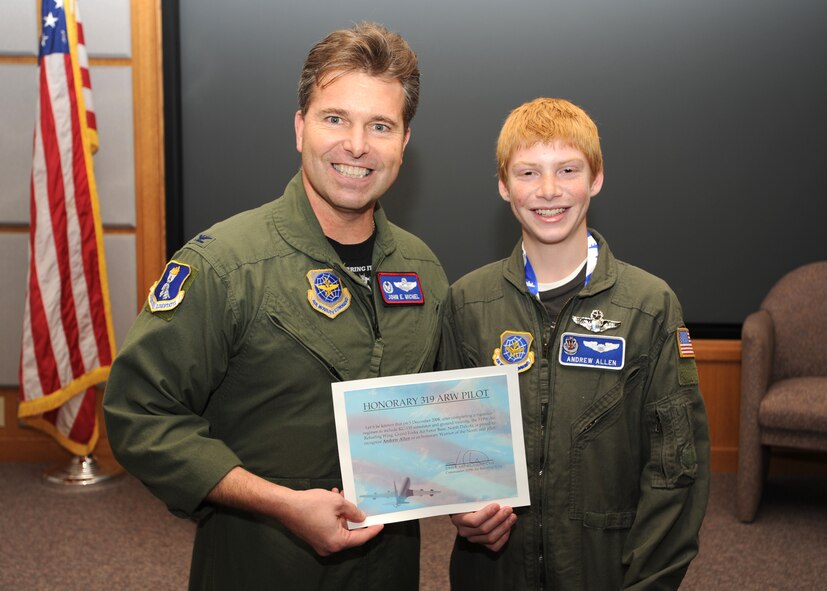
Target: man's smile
x,y
354,172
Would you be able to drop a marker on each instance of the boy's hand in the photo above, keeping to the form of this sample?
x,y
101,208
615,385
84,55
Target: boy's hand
x,y
490,526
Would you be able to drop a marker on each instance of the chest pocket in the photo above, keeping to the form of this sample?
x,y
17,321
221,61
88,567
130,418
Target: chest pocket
x,y
332,342
603,462
363,340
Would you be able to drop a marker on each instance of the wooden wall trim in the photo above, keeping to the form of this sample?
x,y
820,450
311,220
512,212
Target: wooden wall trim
x,y
148,101
718,350
719,370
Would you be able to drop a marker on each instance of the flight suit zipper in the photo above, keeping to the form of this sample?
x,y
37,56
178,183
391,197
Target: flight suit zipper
x,y
367,304
549,331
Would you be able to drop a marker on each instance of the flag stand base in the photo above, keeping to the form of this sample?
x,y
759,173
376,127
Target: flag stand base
x,y
80,473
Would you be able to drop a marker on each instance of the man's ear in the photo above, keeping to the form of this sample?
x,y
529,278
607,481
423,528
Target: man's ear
x,y
597,184
405,143
298,122
504,191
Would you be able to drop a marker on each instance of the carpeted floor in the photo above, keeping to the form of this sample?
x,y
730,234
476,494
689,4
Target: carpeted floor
x,y
121,538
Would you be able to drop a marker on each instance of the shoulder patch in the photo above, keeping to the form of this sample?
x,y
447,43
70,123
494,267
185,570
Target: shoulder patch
x,y
687,368
167,293
685,348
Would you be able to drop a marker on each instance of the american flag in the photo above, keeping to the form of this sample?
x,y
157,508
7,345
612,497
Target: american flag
x,y
68,342
685,348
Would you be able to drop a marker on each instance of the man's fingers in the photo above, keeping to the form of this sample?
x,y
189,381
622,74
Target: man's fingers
x,y
362,535
351,512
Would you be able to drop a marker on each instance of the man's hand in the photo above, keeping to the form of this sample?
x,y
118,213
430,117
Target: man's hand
x,y
490,526
319,517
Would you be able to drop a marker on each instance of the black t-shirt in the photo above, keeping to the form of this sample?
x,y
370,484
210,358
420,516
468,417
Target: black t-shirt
x,y
358,258
554,299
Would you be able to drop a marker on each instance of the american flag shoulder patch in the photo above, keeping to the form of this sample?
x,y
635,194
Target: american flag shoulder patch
x,y
685,348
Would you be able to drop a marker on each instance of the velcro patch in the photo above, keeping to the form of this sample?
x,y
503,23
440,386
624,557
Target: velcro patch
x,y
167,293
327,294
515,349
400,288
591,350
685,348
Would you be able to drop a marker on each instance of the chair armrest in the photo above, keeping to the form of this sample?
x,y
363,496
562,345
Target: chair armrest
x,y
757,354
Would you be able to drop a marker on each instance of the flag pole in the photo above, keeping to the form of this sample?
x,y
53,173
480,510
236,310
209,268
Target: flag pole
x,y
80,473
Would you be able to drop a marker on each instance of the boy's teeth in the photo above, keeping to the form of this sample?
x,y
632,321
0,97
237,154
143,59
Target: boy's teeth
x,y
550,212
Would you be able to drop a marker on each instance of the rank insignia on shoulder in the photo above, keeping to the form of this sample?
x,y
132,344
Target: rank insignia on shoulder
x,y
595,322
327,294
400,288
515,349
685,348
202,239
166,293
586,350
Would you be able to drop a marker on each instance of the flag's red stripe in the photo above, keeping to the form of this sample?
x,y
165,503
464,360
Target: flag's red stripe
x,y
56,195
57,201
91,120
84,425
89,243
44,356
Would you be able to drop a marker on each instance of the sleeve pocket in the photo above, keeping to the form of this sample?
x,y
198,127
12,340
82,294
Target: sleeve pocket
x,y
674,462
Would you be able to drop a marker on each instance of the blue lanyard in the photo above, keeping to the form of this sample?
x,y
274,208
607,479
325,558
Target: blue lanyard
x,y
591,263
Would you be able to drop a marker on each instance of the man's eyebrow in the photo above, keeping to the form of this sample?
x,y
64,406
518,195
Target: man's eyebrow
x,y
384,119
332,111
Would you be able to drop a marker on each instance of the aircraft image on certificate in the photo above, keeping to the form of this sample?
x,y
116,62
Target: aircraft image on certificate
x,y
430,444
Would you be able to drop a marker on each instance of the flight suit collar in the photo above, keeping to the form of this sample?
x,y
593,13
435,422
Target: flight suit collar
x,y
604,276
297,224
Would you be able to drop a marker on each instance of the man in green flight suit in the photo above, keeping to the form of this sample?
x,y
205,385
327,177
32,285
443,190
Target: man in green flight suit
x,y
220,399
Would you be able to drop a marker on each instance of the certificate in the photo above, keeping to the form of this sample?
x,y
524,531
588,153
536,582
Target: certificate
x,y
430,444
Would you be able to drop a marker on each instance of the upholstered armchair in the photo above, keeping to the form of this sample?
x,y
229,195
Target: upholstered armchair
x,y
783,378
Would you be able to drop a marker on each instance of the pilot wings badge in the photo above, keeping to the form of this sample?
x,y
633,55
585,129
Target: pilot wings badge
x,y
515,349
595,322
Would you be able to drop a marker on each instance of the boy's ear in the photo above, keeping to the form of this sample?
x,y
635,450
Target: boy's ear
x,y
504,191
597,184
